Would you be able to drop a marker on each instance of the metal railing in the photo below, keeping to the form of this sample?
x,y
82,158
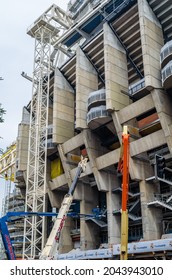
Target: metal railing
x,y
161,197
18,233
137,86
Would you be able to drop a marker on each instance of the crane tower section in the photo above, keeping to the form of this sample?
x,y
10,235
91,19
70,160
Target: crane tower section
x,y
46,29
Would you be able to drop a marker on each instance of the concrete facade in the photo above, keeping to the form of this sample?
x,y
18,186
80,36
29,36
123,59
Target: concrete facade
x,y
63,109
115,71
86,82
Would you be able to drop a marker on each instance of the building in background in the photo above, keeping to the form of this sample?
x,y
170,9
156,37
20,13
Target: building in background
x,y
12,201
16,203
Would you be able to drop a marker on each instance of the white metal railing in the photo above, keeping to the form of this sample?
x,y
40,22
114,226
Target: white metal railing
x,y
18,233
166,71
97,112
166,51
16,202
137,86
161,197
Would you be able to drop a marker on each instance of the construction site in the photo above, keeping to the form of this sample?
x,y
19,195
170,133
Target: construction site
x,y
92,163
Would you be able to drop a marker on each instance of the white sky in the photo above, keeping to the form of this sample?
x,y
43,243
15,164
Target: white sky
x,y
16,55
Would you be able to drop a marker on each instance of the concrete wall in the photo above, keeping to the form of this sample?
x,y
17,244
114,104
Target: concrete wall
x,y
66,244
151,217
163,105
152,41
89,237
113,203
23,141
63,109
116,73
22,147
86,82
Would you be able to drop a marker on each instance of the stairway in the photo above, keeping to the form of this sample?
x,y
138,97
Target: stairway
x,y
159,203
134,217
98,222
134,206
130,215
119,189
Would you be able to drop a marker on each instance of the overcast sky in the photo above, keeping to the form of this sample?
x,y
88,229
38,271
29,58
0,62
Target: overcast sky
x,y
16,55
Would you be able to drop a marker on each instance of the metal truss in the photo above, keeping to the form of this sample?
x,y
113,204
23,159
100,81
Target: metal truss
x,y
8,159
45,30
9,176
57,21
34,228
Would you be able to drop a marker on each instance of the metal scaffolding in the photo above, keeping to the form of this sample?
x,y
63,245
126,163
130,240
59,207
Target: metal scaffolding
x,y
7,170
45,30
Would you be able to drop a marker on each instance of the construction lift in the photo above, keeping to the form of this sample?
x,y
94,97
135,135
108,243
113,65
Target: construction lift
x,y
123,168
10,217
53,240
52,245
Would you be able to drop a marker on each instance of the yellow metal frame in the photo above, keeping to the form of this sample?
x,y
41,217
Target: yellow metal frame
x,y
7,162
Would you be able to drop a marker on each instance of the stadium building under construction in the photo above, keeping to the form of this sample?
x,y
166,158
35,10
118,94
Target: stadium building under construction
x,y
99,66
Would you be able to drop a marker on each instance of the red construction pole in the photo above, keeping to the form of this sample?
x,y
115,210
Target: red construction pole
x,y
125,183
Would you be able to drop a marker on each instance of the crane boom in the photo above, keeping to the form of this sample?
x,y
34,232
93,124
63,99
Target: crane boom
x,y
52,244
9,250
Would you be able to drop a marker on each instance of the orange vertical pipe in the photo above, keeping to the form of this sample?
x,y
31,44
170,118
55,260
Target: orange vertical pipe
x,y
125,177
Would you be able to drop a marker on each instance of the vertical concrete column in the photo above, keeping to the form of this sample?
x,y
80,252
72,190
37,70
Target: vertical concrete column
x,y
139,170
151,217
152,42
114,222
50,114
116,73
163,105
55,197
94,149
105,182
63,109
66,244
89,231
22,147
66,166
86,82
